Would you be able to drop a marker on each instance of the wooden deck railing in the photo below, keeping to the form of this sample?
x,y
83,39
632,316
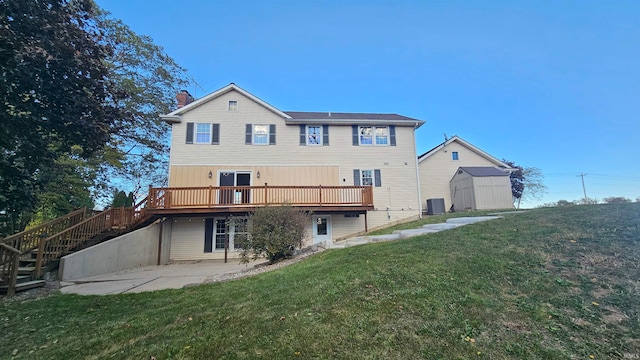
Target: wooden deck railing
x,y
251,196
13,247
28,240
9,262
55,246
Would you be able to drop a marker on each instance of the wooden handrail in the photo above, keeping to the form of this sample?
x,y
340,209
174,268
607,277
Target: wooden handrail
x,y
15,246
10,248
27,240
9,263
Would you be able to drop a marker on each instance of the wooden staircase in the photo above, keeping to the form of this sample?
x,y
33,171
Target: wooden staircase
x,y
25,256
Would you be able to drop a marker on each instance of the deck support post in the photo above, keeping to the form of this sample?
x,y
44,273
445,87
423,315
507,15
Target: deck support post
x,y
226,239
366,225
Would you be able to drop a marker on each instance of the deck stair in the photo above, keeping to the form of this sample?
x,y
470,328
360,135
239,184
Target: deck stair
x,y
26,256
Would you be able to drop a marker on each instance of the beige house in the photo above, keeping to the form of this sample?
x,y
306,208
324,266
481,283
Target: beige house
x,y
232,152
438,166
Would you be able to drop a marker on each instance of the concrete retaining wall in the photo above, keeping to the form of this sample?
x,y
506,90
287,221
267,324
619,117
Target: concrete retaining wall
x,y
135,249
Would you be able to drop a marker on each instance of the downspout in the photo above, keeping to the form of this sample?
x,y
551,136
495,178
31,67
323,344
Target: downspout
x,y
415,151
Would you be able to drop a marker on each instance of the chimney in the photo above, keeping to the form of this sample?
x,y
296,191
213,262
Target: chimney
x,y
184,98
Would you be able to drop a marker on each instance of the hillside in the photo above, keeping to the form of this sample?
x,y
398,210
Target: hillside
x,y
547,284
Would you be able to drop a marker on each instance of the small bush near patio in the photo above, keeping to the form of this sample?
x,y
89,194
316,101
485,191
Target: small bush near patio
x,y
275,232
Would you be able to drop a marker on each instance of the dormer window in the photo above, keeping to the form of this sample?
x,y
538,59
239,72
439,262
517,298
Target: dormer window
x,y
233,106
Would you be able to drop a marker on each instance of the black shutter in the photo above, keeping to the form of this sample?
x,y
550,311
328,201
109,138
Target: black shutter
x,y
378,177
272,134
392,135
325,135
354,135
248,134
189,133
208,235
303,135
356,177
215,134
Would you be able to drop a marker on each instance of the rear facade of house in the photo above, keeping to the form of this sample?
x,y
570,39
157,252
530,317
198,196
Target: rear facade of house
x,y
354,171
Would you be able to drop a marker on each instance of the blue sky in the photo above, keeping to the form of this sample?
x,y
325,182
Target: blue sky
x,y
547,84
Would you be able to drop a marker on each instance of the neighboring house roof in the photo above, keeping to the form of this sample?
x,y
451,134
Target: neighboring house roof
x,y
482,171
459,140
174,116
299,117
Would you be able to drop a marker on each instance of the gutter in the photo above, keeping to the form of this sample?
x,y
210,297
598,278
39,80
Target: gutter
x,y
415,151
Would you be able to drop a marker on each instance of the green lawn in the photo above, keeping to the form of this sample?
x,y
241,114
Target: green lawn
x,y
547,284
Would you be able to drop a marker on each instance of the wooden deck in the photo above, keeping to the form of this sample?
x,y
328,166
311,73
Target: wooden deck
x,y
216,199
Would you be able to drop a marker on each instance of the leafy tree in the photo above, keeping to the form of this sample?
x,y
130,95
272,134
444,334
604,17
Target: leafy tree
x,y
616,200
274,232
526,182
66,188
138,153
54,94
77,84
120,198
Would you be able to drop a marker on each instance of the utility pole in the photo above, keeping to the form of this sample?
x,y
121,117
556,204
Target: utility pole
x,y
586,200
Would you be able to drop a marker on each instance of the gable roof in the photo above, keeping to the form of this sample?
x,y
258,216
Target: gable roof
x,y
466,144
174,116
299,117
483,171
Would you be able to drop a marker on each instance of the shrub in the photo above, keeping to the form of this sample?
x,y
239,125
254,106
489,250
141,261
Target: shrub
x,y
274,232
616,200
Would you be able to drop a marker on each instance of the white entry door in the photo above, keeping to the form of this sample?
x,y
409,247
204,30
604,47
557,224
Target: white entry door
x,y
321,228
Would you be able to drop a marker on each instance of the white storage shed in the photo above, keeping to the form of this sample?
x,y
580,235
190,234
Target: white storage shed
x,y
480,188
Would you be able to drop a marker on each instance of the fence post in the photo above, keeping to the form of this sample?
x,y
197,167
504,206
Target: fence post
x,y
13,277
150,198
40,256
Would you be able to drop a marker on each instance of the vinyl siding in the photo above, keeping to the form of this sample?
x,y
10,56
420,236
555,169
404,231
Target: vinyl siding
x,y
437,171
288,163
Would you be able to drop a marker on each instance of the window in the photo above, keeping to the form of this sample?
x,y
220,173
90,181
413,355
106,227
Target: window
x,y
314,135
229,232
382,136
454,155
203,133
221,233
260,134
374,135
233,105
367,177
365,135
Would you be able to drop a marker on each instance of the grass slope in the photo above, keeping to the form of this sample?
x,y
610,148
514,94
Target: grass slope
x,y
548,284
